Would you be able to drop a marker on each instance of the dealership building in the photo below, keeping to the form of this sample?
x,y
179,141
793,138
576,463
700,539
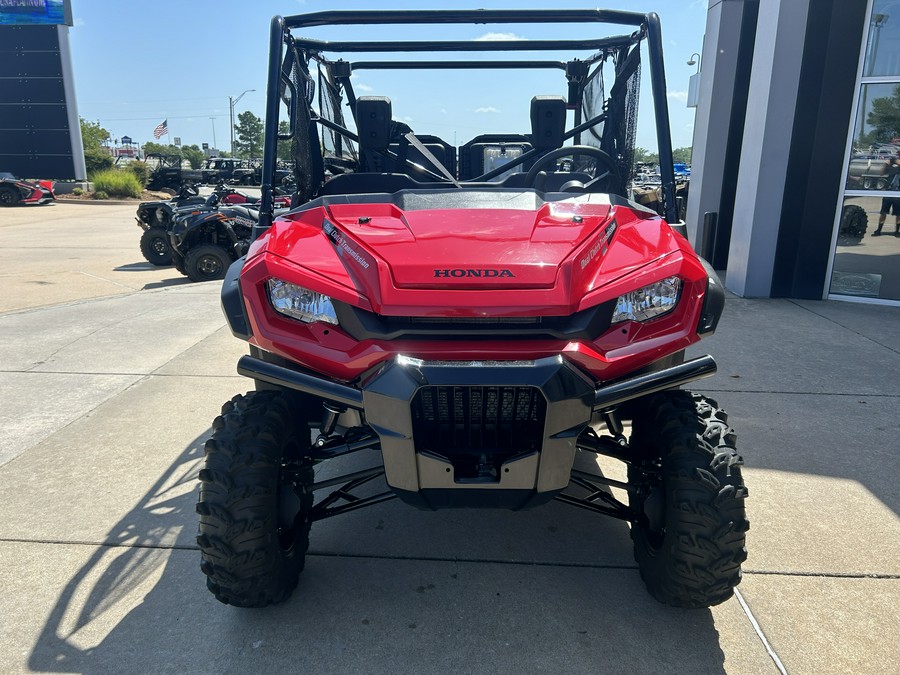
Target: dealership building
x,y
797,122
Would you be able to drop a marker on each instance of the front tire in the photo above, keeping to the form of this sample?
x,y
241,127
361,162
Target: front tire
x,y
854,221
206,262
9,196
155,246
255,499
689,541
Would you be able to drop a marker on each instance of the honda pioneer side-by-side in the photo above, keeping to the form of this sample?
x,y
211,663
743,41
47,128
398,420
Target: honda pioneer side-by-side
x,y
469,321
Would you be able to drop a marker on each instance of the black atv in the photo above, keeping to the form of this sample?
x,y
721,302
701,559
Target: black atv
x,y
206,239
155,219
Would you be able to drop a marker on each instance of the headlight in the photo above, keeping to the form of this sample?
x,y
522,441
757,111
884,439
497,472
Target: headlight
x,y
300,303
648,302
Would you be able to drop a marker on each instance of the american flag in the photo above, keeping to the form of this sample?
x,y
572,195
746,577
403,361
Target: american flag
x,y
161,129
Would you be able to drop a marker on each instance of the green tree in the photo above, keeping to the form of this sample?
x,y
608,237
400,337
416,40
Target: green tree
x,y
96,157
194,155
284,153
682,155
644,156
160,149
884,118
92,134
248,136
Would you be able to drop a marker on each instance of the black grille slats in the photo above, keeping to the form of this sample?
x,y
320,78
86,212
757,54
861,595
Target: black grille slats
x,y
477,427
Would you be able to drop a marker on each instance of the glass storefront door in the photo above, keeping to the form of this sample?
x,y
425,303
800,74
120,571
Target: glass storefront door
x,y
867,247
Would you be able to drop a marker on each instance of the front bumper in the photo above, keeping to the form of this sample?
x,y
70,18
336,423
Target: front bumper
x,y
478,433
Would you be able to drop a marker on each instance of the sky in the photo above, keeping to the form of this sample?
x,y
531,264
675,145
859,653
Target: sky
x,y
139,63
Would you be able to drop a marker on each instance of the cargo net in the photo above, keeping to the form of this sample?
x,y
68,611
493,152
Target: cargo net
x,y
296,69
616,134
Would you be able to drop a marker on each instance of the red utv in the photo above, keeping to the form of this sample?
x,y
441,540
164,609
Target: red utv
x,y
471,318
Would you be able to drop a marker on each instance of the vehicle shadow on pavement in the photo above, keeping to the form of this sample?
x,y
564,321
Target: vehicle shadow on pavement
x,y
138,267
166,283
386,589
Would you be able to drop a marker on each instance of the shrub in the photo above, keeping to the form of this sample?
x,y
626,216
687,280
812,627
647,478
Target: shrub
x,y
100,194
119,183
96,160
77,192
140,170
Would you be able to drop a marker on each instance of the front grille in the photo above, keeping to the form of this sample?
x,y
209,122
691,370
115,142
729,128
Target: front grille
x,y
478,428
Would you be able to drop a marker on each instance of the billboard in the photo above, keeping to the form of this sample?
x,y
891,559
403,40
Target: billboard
x,y
31,12
40,136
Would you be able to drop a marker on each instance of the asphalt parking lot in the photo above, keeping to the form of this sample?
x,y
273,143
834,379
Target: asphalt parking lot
x,y
112,371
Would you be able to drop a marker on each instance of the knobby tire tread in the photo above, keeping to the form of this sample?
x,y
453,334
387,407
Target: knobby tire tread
x,y
698,561
245,563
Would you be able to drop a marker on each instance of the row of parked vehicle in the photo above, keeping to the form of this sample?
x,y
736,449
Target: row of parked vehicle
x,y
201,235
169,172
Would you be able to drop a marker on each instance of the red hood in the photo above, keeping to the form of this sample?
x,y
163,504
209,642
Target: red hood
x,y
472,248
548,259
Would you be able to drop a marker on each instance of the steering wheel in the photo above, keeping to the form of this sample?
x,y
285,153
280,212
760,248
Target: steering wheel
x,y
589,150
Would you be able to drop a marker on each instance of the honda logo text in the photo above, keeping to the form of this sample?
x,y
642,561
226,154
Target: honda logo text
x,y
477,273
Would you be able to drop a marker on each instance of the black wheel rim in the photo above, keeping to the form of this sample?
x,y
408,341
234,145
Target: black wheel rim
x,y
160,247
653,510
209,266
289,504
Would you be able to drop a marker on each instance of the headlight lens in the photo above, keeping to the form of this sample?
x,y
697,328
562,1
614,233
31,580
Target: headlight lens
x,y
301,303
648,302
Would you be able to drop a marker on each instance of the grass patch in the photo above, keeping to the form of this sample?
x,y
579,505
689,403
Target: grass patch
x,y
118,183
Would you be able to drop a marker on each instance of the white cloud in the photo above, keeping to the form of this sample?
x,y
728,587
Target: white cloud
x,y
407,119
486,109
78,22
359,86
498,36
677,96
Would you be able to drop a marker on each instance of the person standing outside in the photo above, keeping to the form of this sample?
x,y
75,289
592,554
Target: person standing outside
x,y
891,204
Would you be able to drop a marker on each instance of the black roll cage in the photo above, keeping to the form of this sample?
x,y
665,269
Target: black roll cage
x,y
647,27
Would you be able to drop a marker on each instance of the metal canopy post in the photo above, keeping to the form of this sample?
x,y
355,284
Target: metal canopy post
x,y
661,110
270,144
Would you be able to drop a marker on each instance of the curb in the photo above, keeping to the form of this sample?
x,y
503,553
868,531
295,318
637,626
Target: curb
x,y
111,202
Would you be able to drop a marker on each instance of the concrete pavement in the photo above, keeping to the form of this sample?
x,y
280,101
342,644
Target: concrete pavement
x,y
111,372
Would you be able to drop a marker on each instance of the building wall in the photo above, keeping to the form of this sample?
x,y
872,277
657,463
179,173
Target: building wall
x,y
775,110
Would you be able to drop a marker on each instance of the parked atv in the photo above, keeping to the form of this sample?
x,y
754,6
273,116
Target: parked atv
x,y
473,333
156,218
206,239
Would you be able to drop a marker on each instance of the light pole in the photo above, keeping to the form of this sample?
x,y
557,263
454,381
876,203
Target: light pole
x,y
693,97
231,103
212,120
694,62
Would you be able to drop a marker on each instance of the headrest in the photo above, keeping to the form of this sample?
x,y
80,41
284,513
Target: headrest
x,y
373,122
548,122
